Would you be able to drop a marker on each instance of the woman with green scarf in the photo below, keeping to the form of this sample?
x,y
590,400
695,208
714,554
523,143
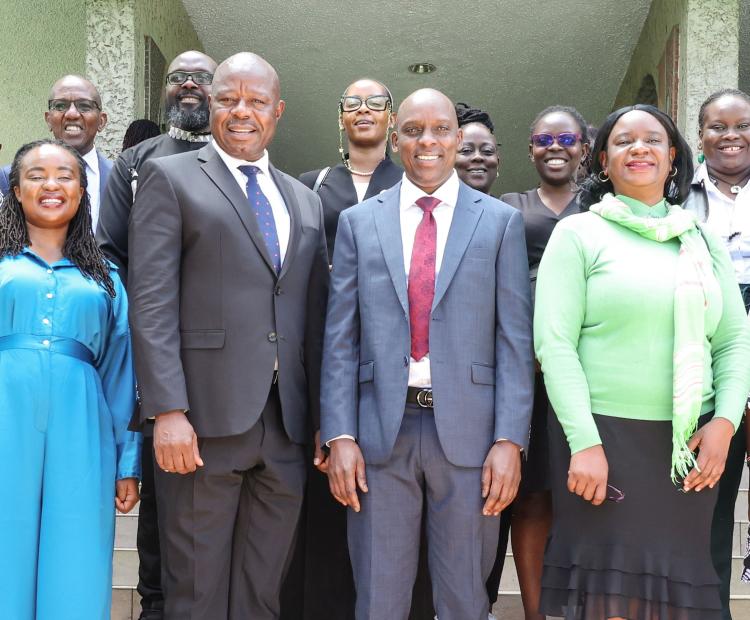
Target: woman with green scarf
x,y
644,344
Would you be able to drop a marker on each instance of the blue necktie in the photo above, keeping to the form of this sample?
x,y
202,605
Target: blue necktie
x,y
263,213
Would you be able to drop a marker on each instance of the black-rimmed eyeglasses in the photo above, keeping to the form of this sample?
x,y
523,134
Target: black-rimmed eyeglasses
x,y
376,103
82,105
201,78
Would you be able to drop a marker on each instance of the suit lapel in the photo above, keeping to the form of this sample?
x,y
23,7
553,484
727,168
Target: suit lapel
x,y
218,172
295,225
388,227
465,218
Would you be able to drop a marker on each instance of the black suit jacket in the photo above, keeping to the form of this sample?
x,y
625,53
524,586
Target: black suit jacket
x,y
209,315
337,192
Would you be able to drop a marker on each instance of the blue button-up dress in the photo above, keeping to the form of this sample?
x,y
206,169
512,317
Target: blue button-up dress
x,y
67,393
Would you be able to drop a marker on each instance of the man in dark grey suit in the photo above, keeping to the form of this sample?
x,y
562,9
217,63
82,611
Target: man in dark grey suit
x,y
228,283
427,376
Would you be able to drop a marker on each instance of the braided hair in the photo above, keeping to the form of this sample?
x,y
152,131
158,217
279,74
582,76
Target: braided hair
x,y
80,246
466,114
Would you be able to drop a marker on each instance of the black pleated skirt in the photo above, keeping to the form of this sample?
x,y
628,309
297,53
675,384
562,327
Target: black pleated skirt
x,y
647,557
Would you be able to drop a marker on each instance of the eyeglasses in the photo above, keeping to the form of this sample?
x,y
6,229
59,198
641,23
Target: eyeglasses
x,y
201,78
82,105
614,494
376,103
564,139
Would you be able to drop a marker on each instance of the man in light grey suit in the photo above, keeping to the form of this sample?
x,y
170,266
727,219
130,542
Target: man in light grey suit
x,y
427,376
228,278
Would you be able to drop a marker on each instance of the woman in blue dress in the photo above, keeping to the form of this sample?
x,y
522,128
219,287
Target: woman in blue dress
x,y
67,393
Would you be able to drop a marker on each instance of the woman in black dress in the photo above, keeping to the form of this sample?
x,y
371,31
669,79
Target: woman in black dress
x,y
321,561
558,142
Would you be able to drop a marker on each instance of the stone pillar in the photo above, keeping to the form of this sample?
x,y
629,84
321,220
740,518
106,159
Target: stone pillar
x,y
110,65
710,57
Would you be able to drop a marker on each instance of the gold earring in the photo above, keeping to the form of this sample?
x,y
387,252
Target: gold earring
x,y
604,178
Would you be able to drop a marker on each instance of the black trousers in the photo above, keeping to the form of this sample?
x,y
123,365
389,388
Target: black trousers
x,y
149,556
722,527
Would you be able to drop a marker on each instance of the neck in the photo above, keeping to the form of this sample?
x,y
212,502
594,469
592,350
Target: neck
x,y
366,158
48,243
735,178
200,130
556,197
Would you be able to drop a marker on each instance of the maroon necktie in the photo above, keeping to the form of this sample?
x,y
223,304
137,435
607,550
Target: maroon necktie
x,y
422,278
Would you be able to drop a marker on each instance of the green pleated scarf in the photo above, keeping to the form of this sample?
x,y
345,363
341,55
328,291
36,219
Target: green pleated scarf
x,y
693,279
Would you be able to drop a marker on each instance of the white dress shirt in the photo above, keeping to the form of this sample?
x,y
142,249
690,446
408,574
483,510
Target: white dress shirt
x,y
92,189
267,186
411,216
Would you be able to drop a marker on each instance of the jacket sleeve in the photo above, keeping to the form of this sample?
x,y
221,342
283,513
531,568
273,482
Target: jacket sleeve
x,y
112,230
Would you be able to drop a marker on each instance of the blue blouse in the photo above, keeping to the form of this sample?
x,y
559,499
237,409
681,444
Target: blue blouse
x,y
42,303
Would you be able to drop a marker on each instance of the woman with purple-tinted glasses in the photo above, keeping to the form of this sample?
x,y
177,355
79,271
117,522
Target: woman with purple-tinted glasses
x,y
557,145
643,340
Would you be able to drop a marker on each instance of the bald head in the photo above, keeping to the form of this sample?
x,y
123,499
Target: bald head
x,y
192,60
427,137
75,116
249,64
245,105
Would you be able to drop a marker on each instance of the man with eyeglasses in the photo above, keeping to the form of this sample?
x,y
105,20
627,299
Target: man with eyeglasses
x,y
188,85
74,115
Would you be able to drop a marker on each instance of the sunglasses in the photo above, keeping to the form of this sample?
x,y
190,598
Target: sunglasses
x,y
614,494
201,78
564,139
82,105
376,103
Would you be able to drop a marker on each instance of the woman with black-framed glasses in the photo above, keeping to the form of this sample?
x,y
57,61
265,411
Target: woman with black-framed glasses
x,y
643,340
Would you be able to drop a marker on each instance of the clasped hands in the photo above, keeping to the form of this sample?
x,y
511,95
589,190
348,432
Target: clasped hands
x,y
501,474
589,469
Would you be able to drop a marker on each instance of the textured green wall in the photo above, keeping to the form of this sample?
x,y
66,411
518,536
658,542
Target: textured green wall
x,y
40,40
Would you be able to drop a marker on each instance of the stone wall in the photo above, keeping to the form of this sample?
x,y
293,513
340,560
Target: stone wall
x,y
41,40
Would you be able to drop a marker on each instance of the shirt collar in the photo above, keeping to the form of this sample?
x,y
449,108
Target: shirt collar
x,y
702,177
447,193
233,163
63,262
92,160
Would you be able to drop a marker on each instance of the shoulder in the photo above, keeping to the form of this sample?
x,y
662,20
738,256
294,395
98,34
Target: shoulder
x,y
174,164
308,178
367,207
519,200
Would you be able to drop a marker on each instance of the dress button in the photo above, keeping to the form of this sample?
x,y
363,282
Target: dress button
x,y
50,295
45,321
49,271
272,337
45,342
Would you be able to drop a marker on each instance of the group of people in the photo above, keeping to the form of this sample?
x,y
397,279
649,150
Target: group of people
x,y
354,388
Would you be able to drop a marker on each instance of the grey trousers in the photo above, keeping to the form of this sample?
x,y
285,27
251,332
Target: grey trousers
x,y
384,536
227,530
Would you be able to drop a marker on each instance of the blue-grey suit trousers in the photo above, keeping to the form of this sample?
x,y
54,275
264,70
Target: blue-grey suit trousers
x,y
384,536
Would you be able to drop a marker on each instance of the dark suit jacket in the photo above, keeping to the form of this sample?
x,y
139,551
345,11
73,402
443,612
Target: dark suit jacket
x,y
481,358
337,192
105,167
209,315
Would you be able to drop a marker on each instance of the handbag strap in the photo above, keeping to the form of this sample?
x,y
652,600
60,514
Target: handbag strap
x,y
321,178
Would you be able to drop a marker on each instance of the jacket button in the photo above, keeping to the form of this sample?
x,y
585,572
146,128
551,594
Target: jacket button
x,y
272,337
277,291
406,360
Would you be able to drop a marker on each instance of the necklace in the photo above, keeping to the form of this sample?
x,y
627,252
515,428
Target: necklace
x,y
733,188
348,166
188,136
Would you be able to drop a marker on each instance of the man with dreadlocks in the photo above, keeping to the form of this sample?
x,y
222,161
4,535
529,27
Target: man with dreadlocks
x,y
189,78
67,393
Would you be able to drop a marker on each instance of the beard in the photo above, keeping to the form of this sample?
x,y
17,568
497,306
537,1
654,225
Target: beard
x,y
189,121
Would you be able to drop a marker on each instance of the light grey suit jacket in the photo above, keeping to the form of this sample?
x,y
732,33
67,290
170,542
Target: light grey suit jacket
x,y
481,356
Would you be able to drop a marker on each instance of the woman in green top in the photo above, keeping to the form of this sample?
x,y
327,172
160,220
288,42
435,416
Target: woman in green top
x,y
643,341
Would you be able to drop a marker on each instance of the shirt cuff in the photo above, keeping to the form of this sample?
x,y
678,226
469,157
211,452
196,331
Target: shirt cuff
x,y
330,441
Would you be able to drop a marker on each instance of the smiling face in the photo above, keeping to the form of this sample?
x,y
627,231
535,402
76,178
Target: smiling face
x,y
556,164
477,159
427,138
725,136
74,128
638,158
49,187
245,106
187,103
366,127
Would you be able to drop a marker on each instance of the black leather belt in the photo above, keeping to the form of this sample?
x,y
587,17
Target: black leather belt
x,y
421,397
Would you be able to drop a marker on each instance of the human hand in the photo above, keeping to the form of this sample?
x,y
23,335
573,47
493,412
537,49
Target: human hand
x,y
501,475
126,494
712,442
320,458
346,472
175,443
588,474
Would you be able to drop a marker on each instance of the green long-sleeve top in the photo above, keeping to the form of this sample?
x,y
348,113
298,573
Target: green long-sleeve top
x,y
604,326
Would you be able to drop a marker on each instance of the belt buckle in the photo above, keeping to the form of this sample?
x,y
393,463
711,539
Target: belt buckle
x,y
424,399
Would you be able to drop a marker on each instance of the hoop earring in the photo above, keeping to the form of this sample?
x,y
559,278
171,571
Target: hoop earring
x,y
674,173
603,179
